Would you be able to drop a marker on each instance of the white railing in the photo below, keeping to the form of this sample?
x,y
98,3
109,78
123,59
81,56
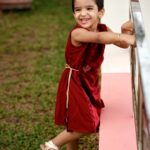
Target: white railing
x,y
140,68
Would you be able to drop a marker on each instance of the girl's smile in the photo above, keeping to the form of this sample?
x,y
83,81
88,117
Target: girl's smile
x,y
84,21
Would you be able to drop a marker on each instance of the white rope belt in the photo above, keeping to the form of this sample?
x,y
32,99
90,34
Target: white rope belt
x,y
69,77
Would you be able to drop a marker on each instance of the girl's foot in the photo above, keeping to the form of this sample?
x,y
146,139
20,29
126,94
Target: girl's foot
x,y
49,146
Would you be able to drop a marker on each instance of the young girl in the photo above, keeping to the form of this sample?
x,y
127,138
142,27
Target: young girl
x,y
79,103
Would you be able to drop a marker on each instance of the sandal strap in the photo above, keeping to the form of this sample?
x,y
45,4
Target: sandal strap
x,y
50,144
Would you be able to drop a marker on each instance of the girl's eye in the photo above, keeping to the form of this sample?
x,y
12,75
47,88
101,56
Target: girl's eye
x,y
77,9
89,8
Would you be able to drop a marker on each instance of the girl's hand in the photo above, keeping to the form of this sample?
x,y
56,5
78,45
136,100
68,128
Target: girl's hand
x,y
127,27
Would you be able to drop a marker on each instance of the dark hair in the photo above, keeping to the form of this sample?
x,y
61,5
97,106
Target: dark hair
x,y
100,4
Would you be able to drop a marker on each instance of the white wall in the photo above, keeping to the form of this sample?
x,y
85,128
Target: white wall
x,y
116,59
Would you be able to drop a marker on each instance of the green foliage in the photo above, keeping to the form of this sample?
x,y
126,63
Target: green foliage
x,y
32,44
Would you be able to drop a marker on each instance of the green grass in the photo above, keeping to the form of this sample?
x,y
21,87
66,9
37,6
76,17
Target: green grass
x,y
32,44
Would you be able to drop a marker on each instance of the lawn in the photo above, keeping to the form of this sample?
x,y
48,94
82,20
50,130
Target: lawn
x,y
32,44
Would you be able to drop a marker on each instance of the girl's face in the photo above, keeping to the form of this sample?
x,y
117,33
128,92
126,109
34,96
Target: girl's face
x,y
86,14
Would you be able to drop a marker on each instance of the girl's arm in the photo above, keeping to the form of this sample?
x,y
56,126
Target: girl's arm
x,y
81,35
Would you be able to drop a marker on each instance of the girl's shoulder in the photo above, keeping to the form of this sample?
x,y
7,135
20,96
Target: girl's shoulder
x,y
69,41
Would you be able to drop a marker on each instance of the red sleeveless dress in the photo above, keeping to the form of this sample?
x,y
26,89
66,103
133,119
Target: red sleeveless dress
x,y
78,101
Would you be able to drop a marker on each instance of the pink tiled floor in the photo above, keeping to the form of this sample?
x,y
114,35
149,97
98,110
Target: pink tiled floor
x,y
117,129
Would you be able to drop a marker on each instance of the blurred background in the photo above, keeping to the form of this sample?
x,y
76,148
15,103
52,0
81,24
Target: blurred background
x,y
33,37
32,43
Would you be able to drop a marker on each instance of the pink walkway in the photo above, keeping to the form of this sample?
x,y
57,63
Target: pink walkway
x,y
117,130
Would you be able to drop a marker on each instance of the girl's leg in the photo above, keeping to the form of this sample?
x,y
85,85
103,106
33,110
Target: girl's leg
x,y
61,139
73,145
66,137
